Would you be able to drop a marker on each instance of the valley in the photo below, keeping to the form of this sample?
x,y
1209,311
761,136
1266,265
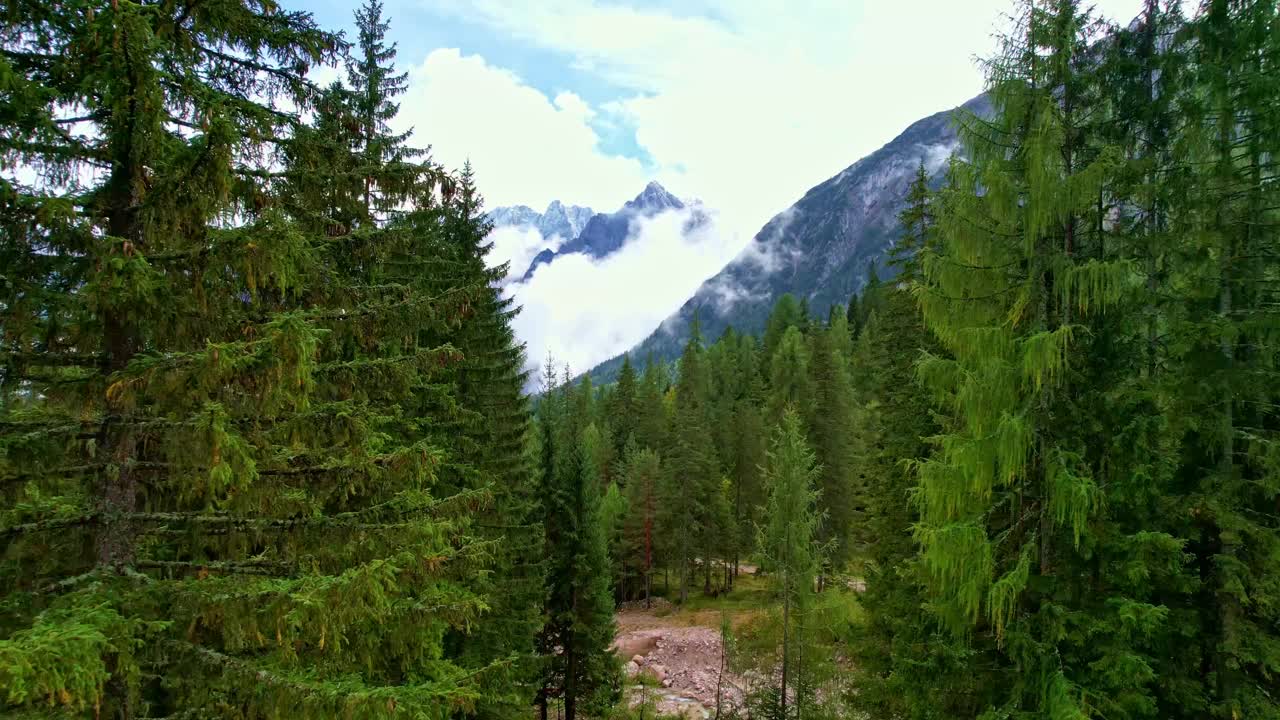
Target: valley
x,y
304,414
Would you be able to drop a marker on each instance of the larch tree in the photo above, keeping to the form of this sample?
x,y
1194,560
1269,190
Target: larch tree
x,y
788,543
1018,292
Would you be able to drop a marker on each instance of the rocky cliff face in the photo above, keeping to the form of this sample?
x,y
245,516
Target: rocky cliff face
x,y
565,221
818,249
604,233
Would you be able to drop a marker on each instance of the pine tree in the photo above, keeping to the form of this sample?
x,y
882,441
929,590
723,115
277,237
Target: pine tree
x,y
906,666
489,429
751,438
218,498
365,177
651,412
388,163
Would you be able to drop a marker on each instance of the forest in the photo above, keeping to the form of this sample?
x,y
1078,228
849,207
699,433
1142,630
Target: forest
x,y
266,449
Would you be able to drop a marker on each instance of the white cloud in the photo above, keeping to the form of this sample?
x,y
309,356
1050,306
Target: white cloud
x,y
749,104
526,149
517,246
584,311
746,105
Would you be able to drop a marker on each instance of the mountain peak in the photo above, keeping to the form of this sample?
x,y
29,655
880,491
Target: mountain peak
x,y
654,198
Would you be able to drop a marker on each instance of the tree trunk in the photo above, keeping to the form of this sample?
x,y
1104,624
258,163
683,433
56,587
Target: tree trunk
x,y
117,495
799,676
570,677
786,646
684,576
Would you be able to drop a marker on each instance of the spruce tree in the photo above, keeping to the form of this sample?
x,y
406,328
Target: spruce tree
x,y
692,471
642,475
789,383
751,437
906,665
488,429
916,221
578,666
651,412
387,162
1224,329
221,494
350,171
830,420
785,314
623,407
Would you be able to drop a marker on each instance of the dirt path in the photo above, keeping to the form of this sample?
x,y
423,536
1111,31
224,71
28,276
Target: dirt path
x,y
683,658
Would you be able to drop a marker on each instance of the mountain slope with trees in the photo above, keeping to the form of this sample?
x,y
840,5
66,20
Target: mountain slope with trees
x,y
819,249
264,451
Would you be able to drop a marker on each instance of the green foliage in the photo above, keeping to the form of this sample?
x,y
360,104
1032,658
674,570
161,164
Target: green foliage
x,y
232,474
1087,451
578,666
789,384
789,549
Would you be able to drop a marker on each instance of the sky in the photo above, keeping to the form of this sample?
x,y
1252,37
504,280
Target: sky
x,y
745,104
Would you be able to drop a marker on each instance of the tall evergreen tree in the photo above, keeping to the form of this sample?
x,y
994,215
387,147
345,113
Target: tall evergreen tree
x,y
218,499
788,544
623,407
651,410
786,314
1012,503
906,665
388,164
830,420
579,668
789,384
916,221
642,475
488,430
1225,328
692,469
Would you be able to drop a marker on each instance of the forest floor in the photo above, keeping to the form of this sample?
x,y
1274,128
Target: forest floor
x,y
673,655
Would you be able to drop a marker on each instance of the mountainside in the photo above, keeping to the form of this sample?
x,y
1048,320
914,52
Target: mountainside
x,y
818,249
566,221
605,233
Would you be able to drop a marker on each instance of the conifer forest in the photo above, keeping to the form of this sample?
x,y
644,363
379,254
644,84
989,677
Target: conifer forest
x,y
270,447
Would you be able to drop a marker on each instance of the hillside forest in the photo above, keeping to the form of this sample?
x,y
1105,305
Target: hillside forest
x,y
266,450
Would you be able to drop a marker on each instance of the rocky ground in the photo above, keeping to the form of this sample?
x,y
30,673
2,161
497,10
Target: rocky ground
x,y
683,659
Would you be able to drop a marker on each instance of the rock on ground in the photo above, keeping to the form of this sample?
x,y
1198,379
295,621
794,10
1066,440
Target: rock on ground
x,y
685,660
